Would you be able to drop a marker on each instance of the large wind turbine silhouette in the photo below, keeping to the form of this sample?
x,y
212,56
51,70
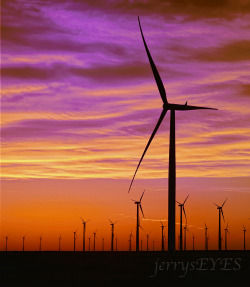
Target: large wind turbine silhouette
x,y
112,234
182,208
138,203
172,166
220,213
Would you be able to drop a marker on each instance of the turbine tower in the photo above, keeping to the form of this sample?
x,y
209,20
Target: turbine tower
x,y
138,204
172,165
75,236
220,213
244,230
182,209
84,233
226,231
23,241
162,237
112,234
206,237
60,238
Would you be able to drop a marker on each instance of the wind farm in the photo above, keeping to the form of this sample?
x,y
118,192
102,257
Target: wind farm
x,y
92,126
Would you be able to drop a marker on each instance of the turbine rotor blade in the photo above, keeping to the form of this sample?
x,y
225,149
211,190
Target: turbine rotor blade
x,y
222,215
163,113
110,221
142,211
216,204
178,202
184,213
154,69
185,199
224,202
142,195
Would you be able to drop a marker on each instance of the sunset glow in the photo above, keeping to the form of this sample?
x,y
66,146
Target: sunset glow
x,y
79,103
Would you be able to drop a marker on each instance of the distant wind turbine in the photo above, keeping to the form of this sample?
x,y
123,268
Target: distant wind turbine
x,y
112,234
172,164
138,204
226,231
185,237
193,242
220,213
40,246
153,245
84,233
6,242
130,241
182,209
89,241
23,241
162,237
102,244
206,237
75,236
141,244
94,233
244,232
60,238
147,239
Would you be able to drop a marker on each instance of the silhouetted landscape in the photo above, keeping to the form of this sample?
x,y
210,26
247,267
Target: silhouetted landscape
x,y
118,267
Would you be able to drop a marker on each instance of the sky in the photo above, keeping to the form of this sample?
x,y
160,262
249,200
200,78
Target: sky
x,y
79,103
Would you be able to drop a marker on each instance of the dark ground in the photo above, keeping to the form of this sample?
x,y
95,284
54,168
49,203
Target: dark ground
x,y
119,268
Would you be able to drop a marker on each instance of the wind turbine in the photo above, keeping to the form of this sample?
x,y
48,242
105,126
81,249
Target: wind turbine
x,y
75,236
59,242
6,243
84,232
40,246
172,165
182,208
206,237
220,213
130,241
185,238
89,241
226,231
23,241
162,237
147,239
138,204
112,234
244,230
94,233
